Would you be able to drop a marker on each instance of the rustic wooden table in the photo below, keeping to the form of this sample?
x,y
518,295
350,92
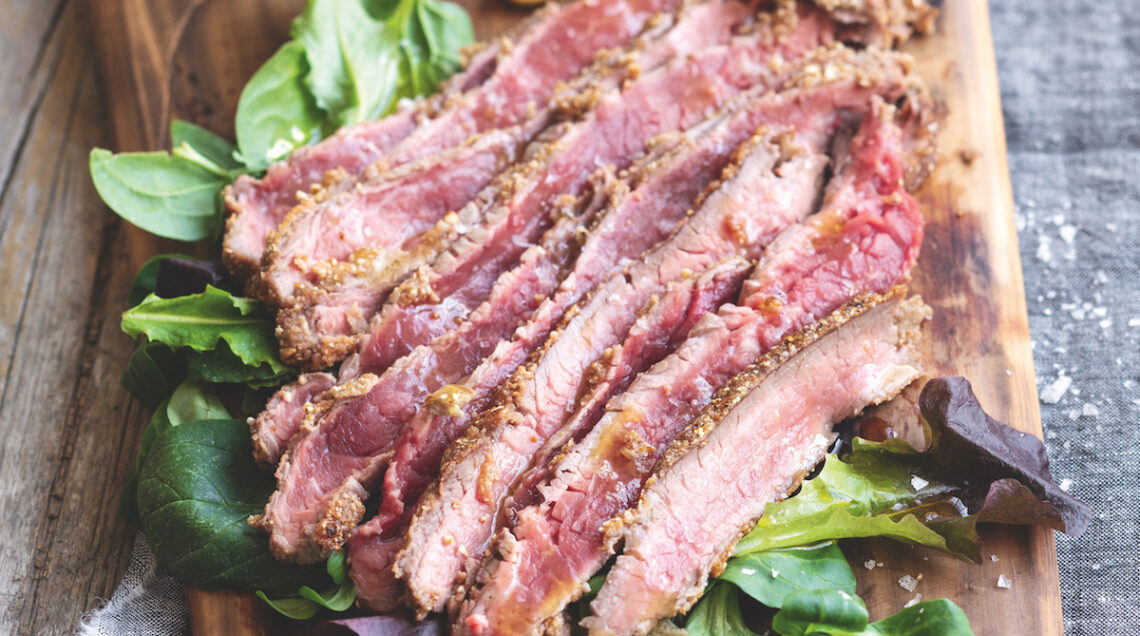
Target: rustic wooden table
x,y
68,430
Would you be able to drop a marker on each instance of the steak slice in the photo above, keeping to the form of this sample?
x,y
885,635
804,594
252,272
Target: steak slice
x,y
865,240
373,547
398,327
491,232
430,564
383,210
257,206
481,467
336,459
764,431
282,416
526,69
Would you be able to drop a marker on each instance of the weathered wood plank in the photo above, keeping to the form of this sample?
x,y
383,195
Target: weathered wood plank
x,y
69,432
30,53
63,547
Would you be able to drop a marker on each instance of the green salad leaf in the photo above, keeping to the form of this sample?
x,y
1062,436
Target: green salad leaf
x,y
770,576
307,602
365,55
152,372
838,613
190,401
974,469
275,113
164,194
718,613
202,321
197,488
194,143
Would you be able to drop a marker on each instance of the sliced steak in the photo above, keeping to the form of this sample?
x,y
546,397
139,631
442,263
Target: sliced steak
x,y
257,206
383,210
762,433
283,414
400,326
443,535
373,548
772,184
491,232
338,456
865,240
526,69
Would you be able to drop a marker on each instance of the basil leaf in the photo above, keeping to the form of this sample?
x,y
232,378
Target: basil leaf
x,y
770,576
275,112
837,613
158,192
202,321
153,370
364,56
197,488
718,614
203,147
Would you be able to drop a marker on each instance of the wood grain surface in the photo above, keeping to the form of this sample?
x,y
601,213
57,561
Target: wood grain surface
x,y
69,432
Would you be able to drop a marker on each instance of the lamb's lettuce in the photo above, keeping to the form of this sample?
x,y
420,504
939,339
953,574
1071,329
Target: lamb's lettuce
x,y
837,613
307,602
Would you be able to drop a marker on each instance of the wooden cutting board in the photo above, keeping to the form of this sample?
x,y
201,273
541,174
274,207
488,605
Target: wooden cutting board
x,y
190,58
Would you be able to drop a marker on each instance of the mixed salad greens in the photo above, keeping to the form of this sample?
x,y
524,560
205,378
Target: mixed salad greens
x,y
207,358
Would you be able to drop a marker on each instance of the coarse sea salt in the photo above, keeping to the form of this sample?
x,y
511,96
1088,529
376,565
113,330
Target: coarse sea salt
x,y
914,601
1003,582
1051,393
1090,410
908,582
869,564
1066,484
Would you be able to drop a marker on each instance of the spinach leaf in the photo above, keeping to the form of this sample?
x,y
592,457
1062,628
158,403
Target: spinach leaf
x,y
838,613
204,148
770,576
201,321
718,613
190,401
161,193
275,112
365,55
197,488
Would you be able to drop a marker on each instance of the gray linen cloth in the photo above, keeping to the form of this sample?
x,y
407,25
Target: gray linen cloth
x,y
1070,86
